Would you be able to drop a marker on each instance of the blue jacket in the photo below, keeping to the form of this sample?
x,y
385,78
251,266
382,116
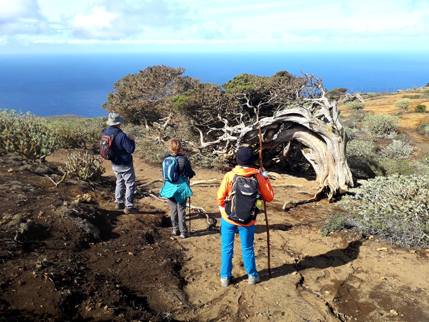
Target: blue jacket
x,y
122,147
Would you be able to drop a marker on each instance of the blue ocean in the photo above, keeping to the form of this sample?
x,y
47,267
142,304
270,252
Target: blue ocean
x,y
78,84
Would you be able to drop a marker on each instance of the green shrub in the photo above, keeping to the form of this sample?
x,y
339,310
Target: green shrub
x,y
215,162
403,104
365,166
354,105
78,134
414,90
334,223
359,148
380,125
416,96
351,133
358,115
398,150
336,93
421,108
390,167
393,208
84,166
26,135
423,128
369,95
150,150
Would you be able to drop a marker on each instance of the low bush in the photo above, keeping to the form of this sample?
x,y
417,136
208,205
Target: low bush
x,y
334,223
351,132
26,134
415,96
414,90
365,166
84,166
393,208
358,115
423,128
403,104
398,150
150,150
404,167
421,108
369,95
354,105
359,148
380,125
78,134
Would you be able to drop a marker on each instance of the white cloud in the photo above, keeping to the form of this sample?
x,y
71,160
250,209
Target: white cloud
x,y
331,23
98,18
112,19
21,17
18,9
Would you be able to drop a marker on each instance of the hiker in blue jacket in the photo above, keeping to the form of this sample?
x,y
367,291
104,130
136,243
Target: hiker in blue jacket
x,y
123,147
178,207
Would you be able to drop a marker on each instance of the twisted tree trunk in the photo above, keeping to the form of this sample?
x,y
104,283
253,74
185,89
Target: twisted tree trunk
x,y
317,131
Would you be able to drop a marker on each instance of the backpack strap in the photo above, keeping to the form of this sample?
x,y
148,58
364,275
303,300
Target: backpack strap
x,y
182,173
115,135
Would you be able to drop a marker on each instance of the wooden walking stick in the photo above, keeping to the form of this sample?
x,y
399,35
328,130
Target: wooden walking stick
x,y
265,205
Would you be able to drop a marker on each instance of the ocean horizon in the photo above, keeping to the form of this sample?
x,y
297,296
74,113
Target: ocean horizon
x,y
58,84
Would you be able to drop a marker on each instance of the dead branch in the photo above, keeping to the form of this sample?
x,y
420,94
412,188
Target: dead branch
x,y
149,183
194,183
57,183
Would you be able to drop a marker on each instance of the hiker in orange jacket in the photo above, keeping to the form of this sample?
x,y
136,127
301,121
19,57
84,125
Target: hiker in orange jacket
x,y
247,231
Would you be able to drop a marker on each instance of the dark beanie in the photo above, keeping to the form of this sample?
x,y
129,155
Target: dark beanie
x,y
244,156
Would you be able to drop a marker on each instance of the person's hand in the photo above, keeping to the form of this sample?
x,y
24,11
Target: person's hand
x,y
131,137
261,170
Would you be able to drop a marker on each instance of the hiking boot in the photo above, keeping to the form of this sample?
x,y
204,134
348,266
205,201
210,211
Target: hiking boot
x,y
185,235
224,281
175,233
119,206
254,279
133,210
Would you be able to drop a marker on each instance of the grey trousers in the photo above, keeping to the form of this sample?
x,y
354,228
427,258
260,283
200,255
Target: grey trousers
x,y
125,185
178,215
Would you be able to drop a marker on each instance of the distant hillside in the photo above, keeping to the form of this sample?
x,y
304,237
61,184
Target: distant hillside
x,y
66,117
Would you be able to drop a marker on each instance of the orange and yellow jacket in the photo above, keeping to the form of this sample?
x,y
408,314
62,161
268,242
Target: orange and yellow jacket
x,y
225,188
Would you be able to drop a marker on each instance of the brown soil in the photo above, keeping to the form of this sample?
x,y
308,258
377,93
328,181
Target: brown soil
x,y
70,258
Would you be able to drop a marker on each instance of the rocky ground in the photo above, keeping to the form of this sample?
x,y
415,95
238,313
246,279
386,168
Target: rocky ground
x,y
67,255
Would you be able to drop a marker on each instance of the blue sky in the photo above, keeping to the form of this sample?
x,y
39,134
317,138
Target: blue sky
x,y
57,26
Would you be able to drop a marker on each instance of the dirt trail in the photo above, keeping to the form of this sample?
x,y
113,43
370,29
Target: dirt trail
x,y
63,259
338,278
66,260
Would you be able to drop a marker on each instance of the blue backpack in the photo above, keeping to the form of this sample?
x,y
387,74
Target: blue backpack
x,y
170,169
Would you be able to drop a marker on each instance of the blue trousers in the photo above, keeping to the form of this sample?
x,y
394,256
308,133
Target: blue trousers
x,y
247,234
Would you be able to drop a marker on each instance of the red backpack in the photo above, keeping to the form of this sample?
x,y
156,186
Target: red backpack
x,y
106,145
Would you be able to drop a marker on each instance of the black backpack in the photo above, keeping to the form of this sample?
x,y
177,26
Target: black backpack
x,y
106,145
241,206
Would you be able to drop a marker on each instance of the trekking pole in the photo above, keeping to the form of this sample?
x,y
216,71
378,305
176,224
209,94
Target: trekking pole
x,y
265,205
190,215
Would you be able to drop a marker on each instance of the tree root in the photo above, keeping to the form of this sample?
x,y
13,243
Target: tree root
x,y
292,204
